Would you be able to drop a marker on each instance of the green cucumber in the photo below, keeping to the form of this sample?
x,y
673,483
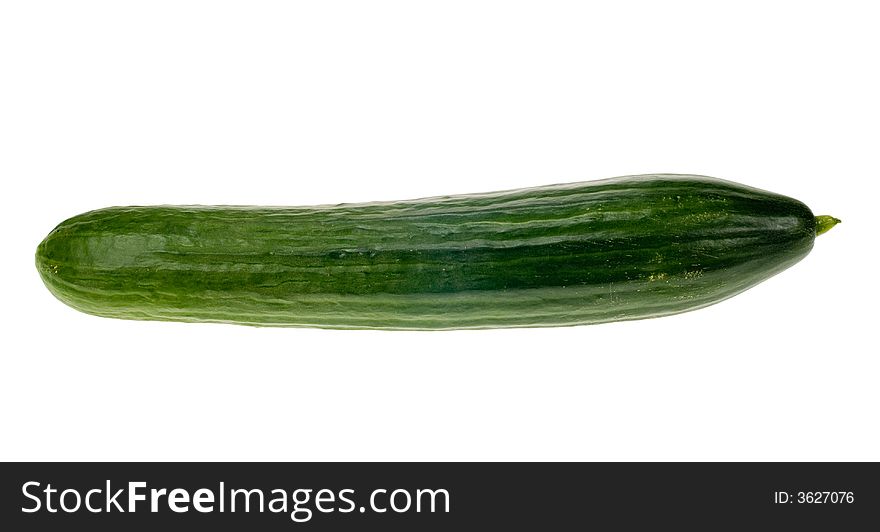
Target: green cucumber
x,y
617,249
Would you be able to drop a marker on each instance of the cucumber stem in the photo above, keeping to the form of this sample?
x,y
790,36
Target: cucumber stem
x,y
824,223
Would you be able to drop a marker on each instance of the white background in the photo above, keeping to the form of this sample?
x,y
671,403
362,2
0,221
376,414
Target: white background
x,y
114,103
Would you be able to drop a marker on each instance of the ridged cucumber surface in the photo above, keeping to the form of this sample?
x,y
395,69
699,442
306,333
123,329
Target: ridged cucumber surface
x,y
617,249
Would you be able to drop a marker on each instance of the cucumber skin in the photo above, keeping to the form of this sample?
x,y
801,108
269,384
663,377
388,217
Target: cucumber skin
x,y
618,249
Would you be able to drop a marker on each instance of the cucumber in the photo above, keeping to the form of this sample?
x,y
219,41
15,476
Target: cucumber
x,y
618,249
